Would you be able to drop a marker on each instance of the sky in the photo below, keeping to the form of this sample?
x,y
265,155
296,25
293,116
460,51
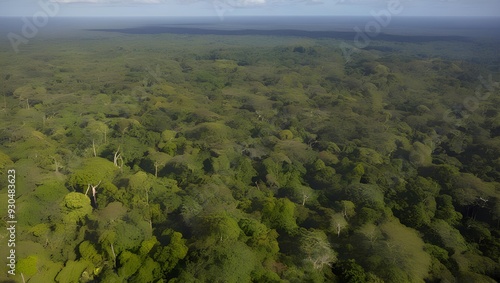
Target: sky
x,y
113,8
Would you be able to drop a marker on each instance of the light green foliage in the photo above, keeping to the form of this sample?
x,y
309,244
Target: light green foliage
x,y
470,262
296,150
40,230
27,266
48,271
281,172
97,131
279,214
92,171
220,164
50,191
134,146
75,206
420,154
89,253
450,237
244,170
475,277
398,252
210,132
147,245
405,247
338,223
106,239
348,208
328,158
149,271
299,194
129,263
156,160
72,271
168,135
369,156
286,135
31,210
5,162
128,235
139,182
469,188
169,148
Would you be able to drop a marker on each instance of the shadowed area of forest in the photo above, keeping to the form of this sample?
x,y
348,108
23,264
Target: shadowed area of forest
x,y
279,32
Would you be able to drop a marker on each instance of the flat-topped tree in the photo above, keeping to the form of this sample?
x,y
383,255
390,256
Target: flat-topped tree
x,y
92,171
75,207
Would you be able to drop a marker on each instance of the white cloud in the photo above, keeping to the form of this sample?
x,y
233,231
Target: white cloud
x,y
229,3
109,1
240,3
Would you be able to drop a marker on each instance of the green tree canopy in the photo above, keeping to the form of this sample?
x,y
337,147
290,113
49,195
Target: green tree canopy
x,y
279,214
92,171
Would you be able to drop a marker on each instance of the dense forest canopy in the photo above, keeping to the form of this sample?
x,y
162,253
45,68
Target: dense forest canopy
x,y
196,158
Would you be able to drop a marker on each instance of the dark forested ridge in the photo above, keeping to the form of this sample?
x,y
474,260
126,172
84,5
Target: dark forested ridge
x,y
205,158
277,32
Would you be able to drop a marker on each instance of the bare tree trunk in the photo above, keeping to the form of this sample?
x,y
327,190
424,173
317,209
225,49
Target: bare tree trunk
x,y
121,163
56,164
114,255
304,198
116,157
93,148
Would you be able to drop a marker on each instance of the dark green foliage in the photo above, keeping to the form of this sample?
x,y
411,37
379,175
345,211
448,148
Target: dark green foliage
x,y
260,237
350,272
168,255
